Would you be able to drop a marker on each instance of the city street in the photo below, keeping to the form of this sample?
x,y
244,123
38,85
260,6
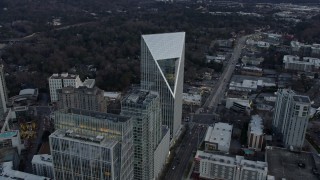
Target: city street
x,y
188,145
220,87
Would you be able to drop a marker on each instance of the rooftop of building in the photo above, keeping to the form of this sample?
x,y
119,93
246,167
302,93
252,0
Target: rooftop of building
x,y
112,95
84,138
256,125
292,165
63,76
166,45
231,160
301,99
95,114
140,97
241,78
7,173
44,159
220,134
89,82
8,134
81,90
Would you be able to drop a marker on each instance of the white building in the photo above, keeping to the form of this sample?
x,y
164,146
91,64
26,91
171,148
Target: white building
x,y
291,117
307,64
112,96
162,71
58,81
7,173
217,59
218,137
11,139
216,166
42,165
249,85
194,99
255,133
161,153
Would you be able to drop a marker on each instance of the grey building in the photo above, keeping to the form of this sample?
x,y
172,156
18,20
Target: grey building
x,y
3,93
88,127
291,116
82,98
144,108
162,70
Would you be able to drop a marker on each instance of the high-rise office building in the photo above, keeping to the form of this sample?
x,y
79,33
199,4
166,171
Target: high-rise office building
x,y
291,117
144,108
91,126
82,98
80,156
3,93
162,70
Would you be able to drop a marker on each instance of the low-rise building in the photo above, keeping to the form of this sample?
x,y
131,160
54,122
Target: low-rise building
x,y
191,99
251,60
250,83
255,133
216,166
217,58
307,64
7,173
112,96
42,165
238,104
11,139
251,70
218,137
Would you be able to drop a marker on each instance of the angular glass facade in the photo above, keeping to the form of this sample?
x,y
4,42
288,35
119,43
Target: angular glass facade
x,y
162,69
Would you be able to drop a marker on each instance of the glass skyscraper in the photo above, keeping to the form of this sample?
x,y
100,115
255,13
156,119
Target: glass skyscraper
x,y
85,137
162,70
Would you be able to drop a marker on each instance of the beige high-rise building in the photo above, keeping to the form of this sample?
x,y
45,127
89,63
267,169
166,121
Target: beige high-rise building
x,y
82,98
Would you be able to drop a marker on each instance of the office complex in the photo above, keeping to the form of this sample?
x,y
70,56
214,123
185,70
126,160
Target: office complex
x,y
82,98
216,166
3,93
144,108
91,133
80,156
291,117
42,165
58,81
162,70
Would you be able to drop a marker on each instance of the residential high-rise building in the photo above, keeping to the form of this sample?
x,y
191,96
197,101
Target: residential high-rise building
x,y
291,117
3,93
82,98
144,108
91,125
58,81
162,70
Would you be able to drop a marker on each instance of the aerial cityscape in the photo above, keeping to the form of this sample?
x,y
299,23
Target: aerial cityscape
x,y
160,90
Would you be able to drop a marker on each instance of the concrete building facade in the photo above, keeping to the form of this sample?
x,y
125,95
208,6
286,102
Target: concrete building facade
x,y
216,166
162,71
291,117
255,133
85,98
